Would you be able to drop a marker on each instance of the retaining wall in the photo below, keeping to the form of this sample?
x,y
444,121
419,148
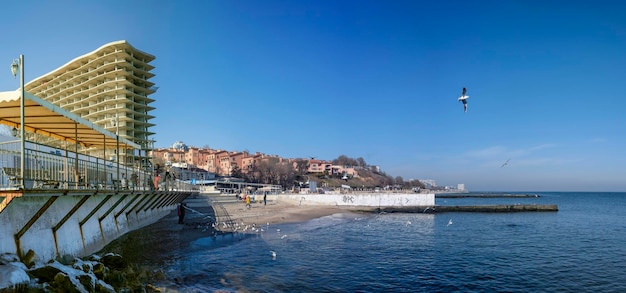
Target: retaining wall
x,y
362,199
57,225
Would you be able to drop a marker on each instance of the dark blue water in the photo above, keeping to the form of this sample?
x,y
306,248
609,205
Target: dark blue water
x,y
580,248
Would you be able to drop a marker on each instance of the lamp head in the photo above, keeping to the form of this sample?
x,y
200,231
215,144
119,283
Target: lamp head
x,y
14,68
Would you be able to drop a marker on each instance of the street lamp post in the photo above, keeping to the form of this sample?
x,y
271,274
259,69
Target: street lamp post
x,y
14,67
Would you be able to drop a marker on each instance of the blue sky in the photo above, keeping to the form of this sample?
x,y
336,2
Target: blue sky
x,y
371,79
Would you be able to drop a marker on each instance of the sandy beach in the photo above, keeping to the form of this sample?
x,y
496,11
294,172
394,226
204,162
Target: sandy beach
x,y
275,211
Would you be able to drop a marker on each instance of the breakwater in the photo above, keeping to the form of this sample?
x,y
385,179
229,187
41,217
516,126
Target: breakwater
x,y
484,195
501,208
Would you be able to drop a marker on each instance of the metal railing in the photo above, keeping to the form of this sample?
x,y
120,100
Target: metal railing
x,y
47,167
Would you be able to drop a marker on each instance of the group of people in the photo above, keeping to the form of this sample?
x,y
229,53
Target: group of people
x,y
247,199
134,181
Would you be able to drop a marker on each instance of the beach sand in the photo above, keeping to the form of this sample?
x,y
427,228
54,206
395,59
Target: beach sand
x,y
274,212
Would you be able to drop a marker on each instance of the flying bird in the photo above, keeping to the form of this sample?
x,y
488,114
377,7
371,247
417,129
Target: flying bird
x,y
463,99
449,222
505,163
273,253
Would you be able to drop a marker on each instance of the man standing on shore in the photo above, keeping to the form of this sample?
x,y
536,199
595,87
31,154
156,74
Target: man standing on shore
x,y
181,213
264,198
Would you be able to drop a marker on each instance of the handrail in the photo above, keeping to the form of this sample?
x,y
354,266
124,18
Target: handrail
x,y
48,167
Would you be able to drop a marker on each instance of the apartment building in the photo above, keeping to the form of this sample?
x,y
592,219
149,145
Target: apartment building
x,y
109,87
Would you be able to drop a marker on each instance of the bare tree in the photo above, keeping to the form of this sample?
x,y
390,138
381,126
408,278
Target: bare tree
x,y
344,160
236,172
302,166
361,162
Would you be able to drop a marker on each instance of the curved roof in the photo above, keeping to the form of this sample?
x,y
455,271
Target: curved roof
x,y
123,43
44,118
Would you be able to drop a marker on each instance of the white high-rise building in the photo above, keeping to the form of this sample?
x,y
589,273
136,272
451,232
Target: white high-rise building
x,y
109,86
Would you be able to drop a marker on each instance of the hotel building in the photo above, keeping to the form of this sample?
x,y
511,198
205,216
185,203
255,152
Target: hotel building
x,y
109,87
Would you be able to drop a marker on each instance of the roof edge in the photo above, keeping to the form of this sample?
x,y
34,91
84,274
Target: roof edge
x,y
120,42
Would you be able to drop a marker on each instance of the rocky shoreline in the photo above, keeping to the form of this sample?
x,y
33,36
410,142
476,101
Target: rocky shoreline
x,y
106,273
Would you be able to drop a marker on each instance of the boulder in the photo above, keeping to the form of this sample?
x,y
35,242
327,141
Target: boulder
x,y
101,286
45,273
65,283
113,261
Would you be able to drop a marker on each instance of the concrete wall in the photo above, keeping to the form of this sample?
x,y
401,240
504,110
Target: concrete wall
x,y
91,224
362,199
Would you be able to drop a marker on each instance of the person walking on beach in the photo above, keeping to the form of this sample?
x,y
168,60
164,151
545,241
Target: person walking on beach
x,y
248,202
265,198
181,213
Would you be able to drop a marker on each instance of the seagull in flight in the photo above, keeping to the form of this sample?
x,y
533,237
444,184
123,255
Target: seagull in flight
x,y
505,163
449,222
463,99
273,253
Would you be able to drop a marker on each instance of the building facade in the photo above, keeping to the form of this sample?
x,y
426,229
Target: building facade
x,y
109,87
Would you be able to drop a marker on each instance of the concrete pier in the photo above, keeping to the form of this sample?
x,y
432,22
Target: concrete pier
x,y
474,208
484,195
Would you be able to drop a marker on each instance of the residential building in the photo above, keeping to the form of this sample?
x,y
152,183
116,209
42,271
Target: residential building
x,y
337,170
319,166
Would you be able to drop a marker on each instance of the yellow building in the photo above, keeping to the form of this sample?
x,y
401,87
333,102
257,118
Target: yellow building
x,y
109,87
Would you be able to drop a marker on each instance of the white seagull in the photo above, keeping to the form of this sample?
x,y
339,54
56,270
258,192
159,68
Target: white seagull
x,y
463,99
449,222
273,254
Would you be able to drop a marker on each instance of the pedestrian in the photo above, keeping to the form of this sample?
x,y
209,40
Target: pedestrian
x,y
124,182
149,182
133,180
181,213
248,202
156,181
265,198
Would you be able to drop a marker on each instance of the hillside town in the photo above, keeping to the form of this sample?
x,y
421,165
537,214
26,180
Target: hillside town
x,y
202,164
224,163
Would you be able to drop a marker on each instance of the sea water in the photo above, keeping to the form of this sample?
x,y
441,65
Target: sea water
x,y
580,248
